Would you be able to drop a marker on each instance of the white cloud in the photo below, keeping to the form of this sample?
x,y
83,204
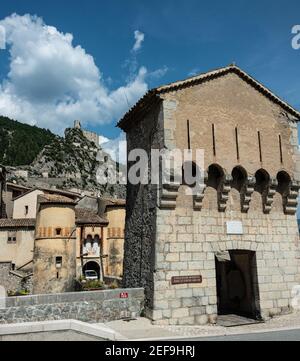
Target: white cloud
x,y
139,38
51,82
2,38
159,73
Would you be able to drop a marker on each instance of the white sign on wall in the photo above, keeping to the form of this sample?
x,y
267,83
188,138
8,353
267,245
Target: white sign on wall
x,y
234,227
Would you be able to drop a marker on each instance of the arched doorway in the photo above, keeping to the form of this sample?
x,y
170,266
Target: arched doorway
x,y
91,266
237,284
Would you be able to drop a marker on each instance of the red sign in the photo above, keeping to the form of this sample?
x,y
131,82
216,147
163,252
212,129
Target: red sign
x,y
124,295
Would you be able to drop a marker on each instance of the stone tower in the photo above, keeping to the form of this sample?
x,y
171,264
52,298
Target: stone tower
x,y
54,261
233,247
77,124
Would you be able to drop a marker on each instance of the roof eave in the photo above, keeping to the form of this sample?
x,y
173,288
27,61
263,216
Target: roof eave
x,y
150,99
85,223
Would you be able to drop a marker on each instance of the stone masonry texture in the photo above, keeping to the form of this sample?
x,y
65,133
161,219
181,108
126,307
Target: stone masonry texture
x,y
12,282
97,306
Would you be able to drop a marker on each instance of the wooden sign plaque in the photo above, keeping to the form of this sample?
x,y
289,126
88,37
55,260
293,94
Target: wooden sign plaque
x,y
180,280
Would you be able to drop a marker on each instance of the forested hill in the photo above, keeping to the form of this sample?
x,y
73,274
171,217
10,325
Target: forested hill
x,y
21,143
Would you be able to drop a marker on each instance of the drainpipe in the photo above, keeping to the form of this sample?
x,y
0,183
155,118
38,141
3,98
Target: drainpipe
x,y
81,248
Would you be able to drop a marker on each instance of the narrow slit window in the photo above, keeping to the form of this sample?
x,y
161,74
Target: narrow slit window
x,y
188,135
280,149
259,146
237,143
214,139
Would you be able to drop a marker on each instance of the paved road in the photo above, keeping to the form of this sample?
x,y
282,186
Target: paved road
x,y
287,335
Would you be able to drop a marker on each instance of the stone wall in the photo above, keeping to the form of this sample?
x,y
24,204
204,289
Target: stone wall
x,y
97,306
227,103
114,241
12,282
187,243
141,203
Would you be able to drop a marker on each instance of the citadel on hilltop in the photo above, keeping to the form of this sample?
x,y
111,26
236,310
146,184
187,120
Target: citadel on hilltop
x,y
91,136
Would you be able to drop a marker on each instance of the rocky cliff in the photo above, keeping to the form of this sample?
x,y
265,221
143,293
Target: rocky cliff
x,y
72,163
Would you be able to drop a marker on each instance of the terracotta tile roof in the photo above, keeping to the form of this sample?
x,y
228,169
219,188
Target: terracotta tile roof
x,y
152,96
17,223
87,216
61,192
55,198
17,186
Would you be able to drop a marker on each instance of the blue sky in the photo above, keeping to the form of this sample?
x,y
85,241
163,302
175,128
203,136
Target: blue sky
x,y
180,38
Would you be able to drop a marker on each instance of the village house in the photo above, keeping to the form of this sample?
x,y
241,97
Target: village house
x,y
16,244
234,246
53,237
25,205
12,192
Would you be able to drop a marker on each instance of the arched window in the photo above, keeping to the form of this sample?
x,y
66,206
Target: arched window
x,y
215,176
262,180
96,245
97,239
239,177
88,242
284,181
190,172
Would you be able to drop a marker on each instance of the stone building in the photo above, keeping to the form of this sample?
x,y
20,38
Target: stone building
x,y
12,192
90,241
114,210
91,136
54,258
25,205
30,244
16,256
234,247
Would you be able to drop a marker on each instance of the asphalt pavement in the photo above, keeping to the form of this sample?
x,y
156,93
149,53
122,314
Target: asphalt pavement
x,y
285,335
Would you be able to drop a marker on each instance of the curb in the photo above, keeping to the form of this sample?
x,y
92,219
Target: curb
x,y
99,330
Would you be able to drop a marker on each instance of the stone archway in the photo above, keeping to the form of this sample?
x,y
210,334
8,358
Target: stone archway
x,y
92,266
